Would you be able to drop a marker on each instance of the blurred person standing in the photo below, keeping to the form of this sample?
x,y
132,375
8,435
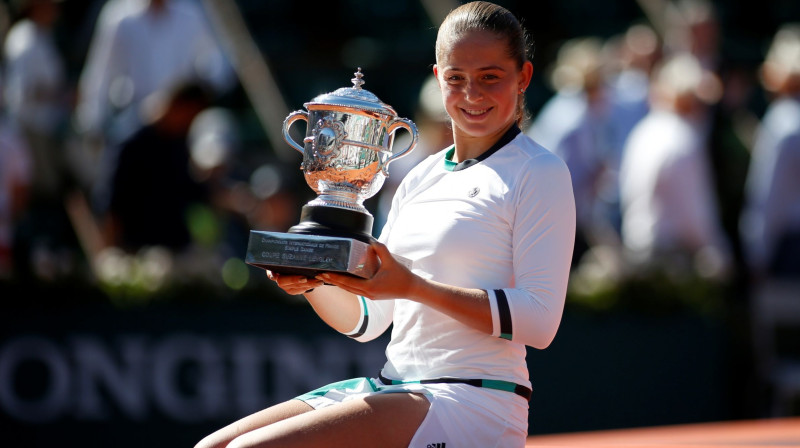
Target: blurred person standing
x,y
771,219
631,58
575,125
636,54
670,217
140,47
34,92
146,196
695,28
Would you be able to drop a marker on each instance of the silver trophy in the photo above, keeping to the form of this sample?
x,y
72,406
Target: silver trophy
x,y
346,156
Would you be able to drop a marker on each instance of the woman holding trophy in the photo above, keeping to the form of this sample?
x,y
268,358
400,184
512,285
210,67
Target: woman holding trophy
x,y
488,225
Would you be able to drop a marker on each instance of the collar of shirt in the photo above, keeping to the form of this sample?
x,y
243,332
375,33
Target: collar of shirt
x,y
449,165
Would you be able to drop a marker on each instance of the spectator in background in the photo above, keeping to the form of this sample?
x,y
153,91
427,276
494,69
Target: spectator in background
x,y
670,217
695,28
771,219
636,53
141,47
632,59
151,187
34,91
575,125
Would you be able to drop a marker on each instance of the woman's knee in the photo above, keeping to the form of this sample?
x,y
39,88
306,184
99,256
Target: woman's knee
x,y
225,436
211,441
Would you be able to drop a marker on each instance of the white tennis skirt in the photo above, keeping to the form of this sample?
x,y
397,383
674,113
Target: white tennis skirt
x,y
460,415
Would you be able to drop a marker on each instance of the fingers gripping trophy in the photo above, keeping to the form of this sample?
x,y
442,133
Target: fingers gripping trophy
x,y
346,155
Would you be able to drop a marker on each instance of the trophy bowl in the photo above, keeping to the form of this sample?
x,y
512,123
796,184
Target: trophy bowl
x,y
346,155
346,151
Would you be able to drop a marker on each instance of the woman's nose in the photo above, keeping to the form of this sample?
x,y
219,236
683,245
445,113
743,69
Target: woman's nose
x,y
472,91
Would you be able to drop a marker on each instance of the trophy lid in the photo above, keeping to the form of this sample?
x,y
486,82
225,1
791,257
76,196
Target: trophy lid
x,y
352,97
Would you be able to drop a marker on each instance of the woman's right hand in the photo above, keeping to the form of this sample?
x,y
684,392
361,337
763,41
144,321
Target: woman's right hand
x,y
294,284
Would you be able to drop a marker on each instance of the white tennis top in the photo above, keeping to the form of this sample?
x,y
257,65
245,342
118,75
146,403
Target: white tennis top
x,y
506,224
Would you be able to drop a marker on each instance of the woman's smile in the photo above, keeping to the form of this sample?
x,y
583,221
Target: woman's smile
x,y
476,113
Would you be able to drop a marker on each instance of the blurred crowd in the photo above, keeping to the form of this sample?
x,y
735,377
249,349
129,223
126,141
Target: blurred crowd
x,y
681,163
686,172
127,175
675,168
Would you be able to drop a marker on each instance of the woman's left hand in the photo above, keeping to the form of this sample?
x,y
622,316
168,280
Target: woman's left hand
x,y
392,279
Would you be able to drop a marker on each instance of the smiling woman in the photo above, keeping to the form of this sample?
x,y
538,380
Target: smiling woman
x,y
487,226
483,76
482,89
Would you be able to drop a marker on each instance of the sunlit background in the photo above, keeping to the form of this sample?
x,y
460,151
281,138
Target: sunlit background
x,y
141,141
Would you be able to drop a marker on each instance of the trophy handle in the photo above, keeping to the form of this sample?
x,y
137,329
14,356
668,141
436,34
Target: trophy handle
x,y
409,126
287,123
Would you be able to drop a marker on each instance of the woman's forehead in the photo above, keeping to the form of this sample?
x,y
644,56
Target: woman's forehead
x,y
474,48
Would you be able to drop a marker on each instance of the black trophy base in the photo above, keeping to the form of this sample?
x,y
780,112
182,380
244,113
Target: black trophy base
x,y
327,239
338,222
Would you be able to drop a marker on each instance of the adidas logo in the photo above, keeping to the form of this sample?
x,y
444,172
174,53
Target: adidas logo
x,y
435,445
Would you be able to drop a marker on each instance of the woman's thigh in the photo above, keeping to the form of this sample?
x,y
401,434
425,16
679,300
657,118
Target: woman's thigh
x,y
282,411
385,420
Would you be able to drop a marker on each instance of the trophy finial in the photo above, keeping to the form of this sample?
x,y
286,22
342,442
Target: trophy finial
x,y
357,81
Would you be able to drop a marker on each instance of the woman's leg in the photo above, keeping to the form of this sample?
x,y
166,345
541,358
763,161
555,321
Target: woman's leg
x,y
384,420
282,411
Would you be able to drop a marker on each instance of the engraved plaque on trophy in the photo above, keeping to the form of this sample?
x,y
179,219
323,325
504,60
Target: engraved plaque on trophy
x,y
346,154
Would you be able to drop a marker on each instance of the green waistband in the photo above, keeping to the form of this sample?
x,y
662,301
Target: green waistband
x,y
507,386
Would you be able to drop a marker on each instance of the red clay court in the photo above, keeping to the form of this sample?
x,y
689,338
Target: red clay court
x,y
734,434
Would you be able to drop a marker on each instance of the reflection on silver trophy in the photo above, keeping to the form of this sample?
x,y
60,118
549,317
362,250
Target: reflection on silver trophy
x,y
346,155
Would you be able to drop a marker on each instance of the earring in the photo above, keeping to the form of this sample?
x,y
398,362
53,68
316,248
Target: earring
x,y
521,91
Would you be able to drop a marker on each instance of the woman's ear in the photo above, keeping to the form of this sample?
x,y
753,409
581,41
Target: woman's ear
x,y
525,75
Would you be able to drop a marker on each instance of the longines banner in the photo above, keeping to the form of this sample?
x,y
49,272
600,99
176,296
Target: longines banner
x,y
155,376
185,377
165,376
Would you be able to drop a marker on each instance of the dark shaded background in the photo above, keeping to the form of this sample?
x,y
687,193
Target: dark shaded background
x,y
646,360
